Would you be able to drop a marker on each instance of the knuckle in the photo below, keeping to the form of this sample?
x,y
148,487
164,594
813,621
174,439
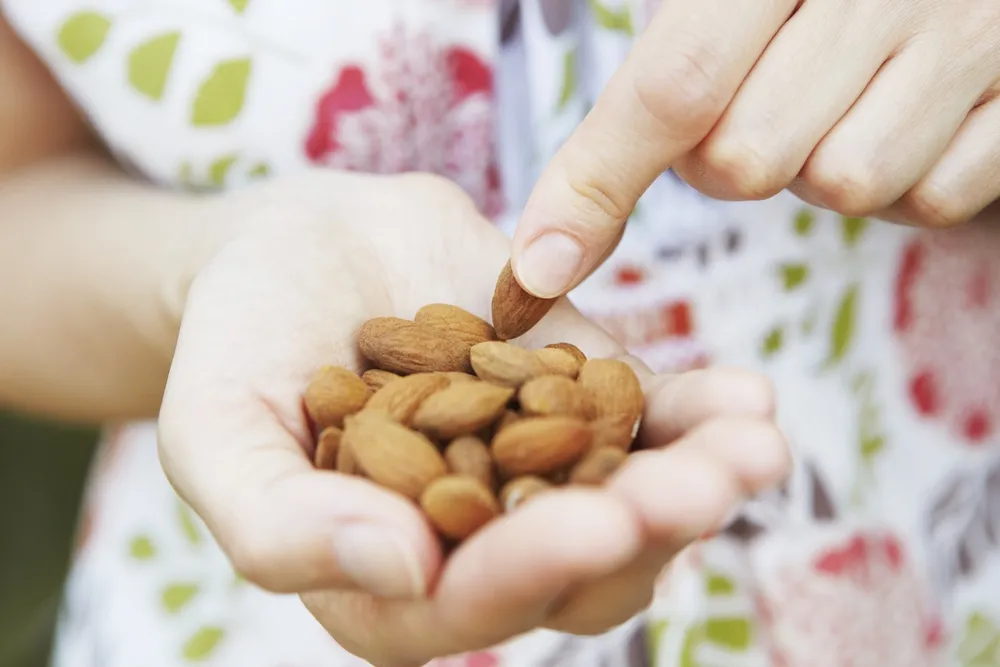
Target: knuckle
x,y
597,200
931,206
745,170
847,189
683,94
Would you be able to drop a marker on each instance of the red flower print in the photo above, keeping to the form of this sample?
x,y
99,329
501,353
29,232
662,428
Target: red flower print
x,y
480,659
947,321
420,106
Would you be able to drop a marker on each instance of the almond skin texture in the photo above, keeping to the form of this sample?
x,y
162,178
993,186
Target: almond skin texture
x,y
392,455
460,377
554,395
506,364
515,311
461,409
332,394
540,445
458,505
470,456
328,448
572,349
405,347
613,387
518,490
376,379
616,431
402,397
559,362
597,466
456,322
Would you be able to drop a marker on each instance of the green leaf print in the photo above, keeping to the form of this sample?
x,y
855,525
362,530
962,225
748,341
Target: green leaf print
x,y
852,229
805,220
842,329
569,79
176,596
732,633
203,643
656,631
719,584
980,645
187,523
260,170
221,96
149,64
793,275
617,20
773,342
141,548
687,657
239,6
82,35
871,446
218,170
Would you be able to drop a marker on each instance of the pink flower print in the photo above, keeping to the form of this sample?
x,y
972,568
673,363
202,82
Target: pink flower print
x,y
479,659
947,321
420,106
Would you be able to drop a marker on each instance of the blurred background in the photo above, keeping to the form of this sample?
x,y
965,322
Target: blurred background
x,y
42,471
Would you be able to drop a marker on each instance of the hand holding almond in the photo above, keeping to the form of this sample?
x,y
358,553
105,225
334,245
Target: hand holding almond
x,y
321,257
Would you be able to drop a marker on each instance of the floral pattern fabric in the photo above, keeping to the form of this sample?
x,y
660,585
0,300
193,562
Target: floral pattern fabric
x,y
882,550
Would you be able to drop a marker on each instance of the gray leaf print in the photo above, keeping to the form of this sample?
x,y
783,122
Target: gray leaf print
x,y
510,19
557,14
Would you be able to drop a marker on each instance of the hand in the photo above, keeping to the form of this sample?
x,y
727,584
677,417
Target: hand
x,y
885,107
318,257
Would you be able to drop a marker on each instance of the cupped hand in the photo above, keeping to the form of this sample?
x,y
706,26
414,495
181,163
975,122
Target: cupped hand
x,y
884,107
318,256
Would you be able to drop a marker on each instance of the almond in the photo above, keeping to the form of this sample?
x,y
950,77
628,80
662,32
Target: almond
x,y
506,364
569,347
554,395
518,490
515,311
328,448
458,505
346,463
402,397
616,431
559,362
404,347
540,445
332,394
376,379
469,455
598,465
461,409
391,454
613,387
460,377
508,418
456,322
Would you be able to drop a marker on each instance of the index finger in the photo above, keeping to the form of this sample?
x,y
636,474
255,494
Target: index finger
x,y
675,84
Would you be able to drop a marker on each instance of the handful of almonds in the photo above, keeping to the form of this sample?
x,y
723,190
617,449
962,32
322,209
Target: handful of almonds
x,y
469,426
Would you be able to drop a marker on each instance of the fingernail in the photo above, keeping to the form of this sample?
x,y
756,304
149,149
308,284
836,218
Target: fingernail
x,y
549,264
378,561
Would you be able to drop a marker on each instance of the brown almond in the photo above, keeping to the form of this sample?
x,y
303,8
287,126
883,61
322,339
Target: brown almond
x,y
540,445
506,364
597,466
402,397
458,505
456,322
518,490
392,455
616,431
346,463
461,409
569,347
405,347
376,378
554,395
509,417
559,362
613,387
515,311
468,455
328,448
332,394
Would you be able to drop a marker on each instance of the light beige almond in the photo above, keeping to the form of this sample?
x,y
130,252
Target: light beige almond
x,y
458,505
572,349
516,311
376,379
402,397
597,466
392,455
506,364
460,377
559,362
616,431
613,387
456,322
461,409
405,347
332,394
346,463
468,455
520,489
540,445
554,395
328,448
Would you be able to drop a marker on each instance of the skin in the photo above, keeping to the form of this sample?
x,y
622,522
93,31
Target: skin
x,y
124,301
886,108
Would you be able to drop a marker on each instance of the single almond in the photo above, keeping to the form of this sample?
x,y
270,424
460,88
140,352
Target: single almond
x,y
461,409
458,505
515,311
554,395
518,490
332,394
328,448
613,387
569,347
559,362
597,466
346,463
616,431
456,322
405,347
455,376
392,455
540,445
402,397
376,378
468,455
506,364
